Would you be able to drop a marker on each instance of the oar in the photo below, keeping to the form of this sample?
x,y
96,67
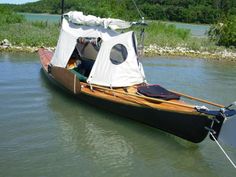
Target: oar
x,y
143,97
198,99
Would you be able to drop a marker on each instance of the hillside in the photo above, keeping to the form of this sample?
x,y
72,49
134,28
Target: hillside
x,y
190,11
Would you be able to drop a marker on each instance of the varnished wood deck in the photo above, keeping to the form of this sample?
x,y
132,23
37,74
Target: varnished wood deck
x,y
123,97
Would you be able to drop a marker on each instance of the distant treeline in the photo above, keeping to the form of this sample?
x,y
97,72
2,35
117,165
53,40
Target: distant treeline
x,y
190,11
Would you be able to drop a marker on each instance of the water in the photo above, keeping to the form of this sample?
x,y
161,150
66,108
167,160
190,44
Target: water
x,y
196,30
46,132
42,17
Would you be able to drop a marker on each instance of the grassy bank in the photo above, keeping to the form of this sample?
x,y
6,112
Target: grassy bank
x,y
160,39
32,34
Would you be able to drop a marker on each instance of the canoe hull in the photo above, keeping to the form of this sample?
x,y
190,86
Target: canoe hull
x,y
186,126
191,127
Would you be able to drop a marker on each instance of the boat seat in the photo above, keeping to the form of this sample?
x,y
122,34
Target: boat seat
x,y
156,91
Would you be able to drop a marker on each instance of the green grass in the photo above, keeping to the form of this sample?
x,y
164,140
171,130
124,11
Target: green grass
x,y
163,35
39,33
32,34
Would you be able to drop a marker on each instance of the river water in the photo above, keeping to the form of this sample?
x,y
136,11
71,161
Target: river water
x,y
46,132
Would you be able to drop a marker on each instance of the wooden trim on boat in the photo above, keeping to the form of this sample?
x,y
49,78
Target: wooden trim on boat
x,y
66,78
45,57
143,97
121,96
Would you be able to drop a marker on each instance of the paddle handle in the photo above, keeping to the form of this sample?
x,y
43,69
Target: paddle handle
x,y
198,99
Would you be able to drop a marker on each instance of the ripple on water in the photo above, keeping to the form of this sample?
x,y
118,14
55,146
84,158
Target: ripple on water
x,y
25,121
46,133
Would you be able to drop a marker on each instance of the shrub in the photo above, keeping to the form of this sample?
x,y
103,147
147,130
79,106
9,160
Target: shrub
x,y
224,32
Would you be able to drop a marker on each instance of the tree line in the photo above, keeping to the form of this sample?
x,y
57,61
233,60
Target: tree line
x,y
9,17
190,11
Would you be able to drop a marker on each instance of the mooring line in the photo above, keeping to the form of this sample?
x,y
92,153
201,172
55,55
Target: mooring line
x,y
223,150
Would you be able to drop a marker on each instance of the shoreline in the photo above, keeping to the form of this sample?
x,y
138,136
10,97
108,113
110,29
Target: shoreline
x,y
149,51
224,55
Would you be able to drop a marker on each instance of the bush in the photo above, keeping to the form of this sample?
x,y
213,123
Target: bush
x,y
224,32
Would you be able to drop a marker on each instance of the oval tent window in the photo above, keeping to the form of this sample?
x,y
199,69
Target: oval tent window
x,y
118,54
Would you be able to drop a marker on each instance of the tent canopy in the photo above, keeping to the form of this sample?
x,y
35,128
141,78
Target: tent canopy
x,y
90,20
69,34
116,63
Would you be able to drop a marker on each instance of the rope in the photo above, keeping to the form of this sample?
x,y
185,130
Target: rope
x,y
137,9
223,150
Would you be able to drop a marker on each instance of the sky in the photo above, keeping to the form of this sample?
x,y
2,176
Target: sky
x,y
16,1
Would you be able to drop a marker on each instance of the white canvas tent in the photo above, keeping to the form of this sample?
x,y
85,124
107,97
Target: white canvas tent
x,y
69,34
116,64
126,73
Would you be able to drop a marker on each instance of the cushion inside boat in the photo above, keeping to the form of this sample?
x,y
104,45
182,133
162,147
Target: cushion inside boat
x,y
157,91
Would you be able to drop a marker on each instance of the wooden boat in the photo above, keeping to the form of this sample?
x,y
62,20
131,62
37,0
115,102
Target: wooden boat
x,y
80,67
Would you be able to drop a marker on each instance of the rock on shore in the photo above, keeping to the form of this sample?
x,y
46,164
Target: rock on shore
x,y
5,45
154,50
151,50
